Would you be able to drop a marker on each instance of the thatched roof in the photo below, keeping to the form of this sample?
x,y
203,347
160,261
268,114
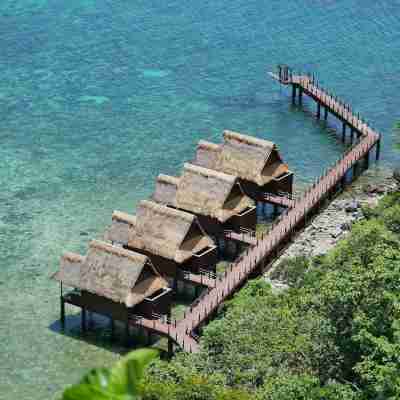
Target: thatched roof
x,y
159,230
111,272
202,191
166,188
207,154
249,158
70,269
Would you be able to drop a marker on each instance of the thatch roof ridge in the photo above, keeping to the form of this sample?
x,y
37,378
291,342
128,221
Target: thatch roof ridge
x,y
172,180
207,172
72,257
249,140
70,269
167,211
203,144
124,217
118,251
165,189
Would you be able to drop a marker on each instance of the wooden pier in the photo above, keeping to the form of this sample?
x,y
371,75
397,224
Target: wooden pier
x,y
264,250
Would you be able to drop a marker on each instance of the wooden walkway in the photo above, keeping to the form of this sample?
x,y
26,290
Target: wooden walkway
x,y
282,201
204,279
265,249
241,237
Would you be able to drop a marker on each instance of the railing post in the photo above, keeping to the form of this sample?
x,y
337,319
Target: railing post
x,y
378,148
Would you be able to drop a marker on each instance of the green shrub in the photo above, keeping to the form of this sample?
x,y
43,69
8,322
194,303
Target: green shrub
x,y
303,388
291,270
121,382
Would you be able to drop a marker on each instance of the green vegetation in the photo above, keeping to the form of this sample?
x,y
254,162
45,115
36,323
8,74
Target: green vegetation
x,y
334,334
121,382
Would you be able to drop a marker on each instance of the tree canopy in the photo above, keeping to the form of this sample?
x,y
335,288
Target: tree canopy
x,y
334,334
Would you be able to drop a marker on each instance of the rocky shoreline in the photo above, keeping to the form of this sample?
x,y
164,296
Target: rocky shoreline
x,y
335,221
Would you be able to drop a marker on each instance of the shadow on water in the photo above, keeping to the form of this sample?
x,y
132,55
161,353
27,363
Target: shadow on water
x,y
242,102
331,126
98,333
98,328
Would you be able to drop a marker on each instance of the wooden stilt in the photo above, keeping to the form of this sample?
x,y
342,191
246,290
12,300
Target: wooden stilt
x,y
355,170
344,132
175,286
170,348
127,334
318,110
366,161
293,94
325,113
300,95
343,182
112,325
351,135
148,338
83,319
378,149
62,312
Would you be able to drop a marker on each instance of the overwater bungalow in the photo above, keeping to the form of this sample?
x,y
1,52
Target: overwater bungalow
x,y
217,199
256,162
114,282
174,240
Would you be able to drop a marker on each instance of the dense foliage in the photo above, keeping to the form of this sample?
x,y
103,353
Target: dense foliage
x,y
121,382
334,334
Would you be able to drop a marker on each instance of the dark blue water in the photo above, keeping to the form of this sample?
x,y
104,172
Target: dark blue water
x,y
98,97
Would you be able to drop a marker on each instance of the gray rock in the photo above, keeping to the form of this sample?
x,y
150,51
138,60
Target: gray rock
x,y
346,226
277,286
336,233
371,189
340,205
352,206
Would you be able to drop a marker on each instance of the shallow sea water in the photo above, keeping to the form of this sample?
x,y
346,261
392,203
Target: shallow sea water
x,y
98,97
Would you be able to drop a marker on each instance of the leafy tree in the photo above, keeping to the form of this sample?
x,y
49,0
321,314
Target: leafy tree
x,y
263,334
360,296
291,270
121,382
391,218
304,387
386,203
194,387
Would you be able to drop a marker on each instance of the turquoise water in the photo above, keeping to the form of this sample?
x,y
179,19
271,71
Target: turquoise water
x,y
98,97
